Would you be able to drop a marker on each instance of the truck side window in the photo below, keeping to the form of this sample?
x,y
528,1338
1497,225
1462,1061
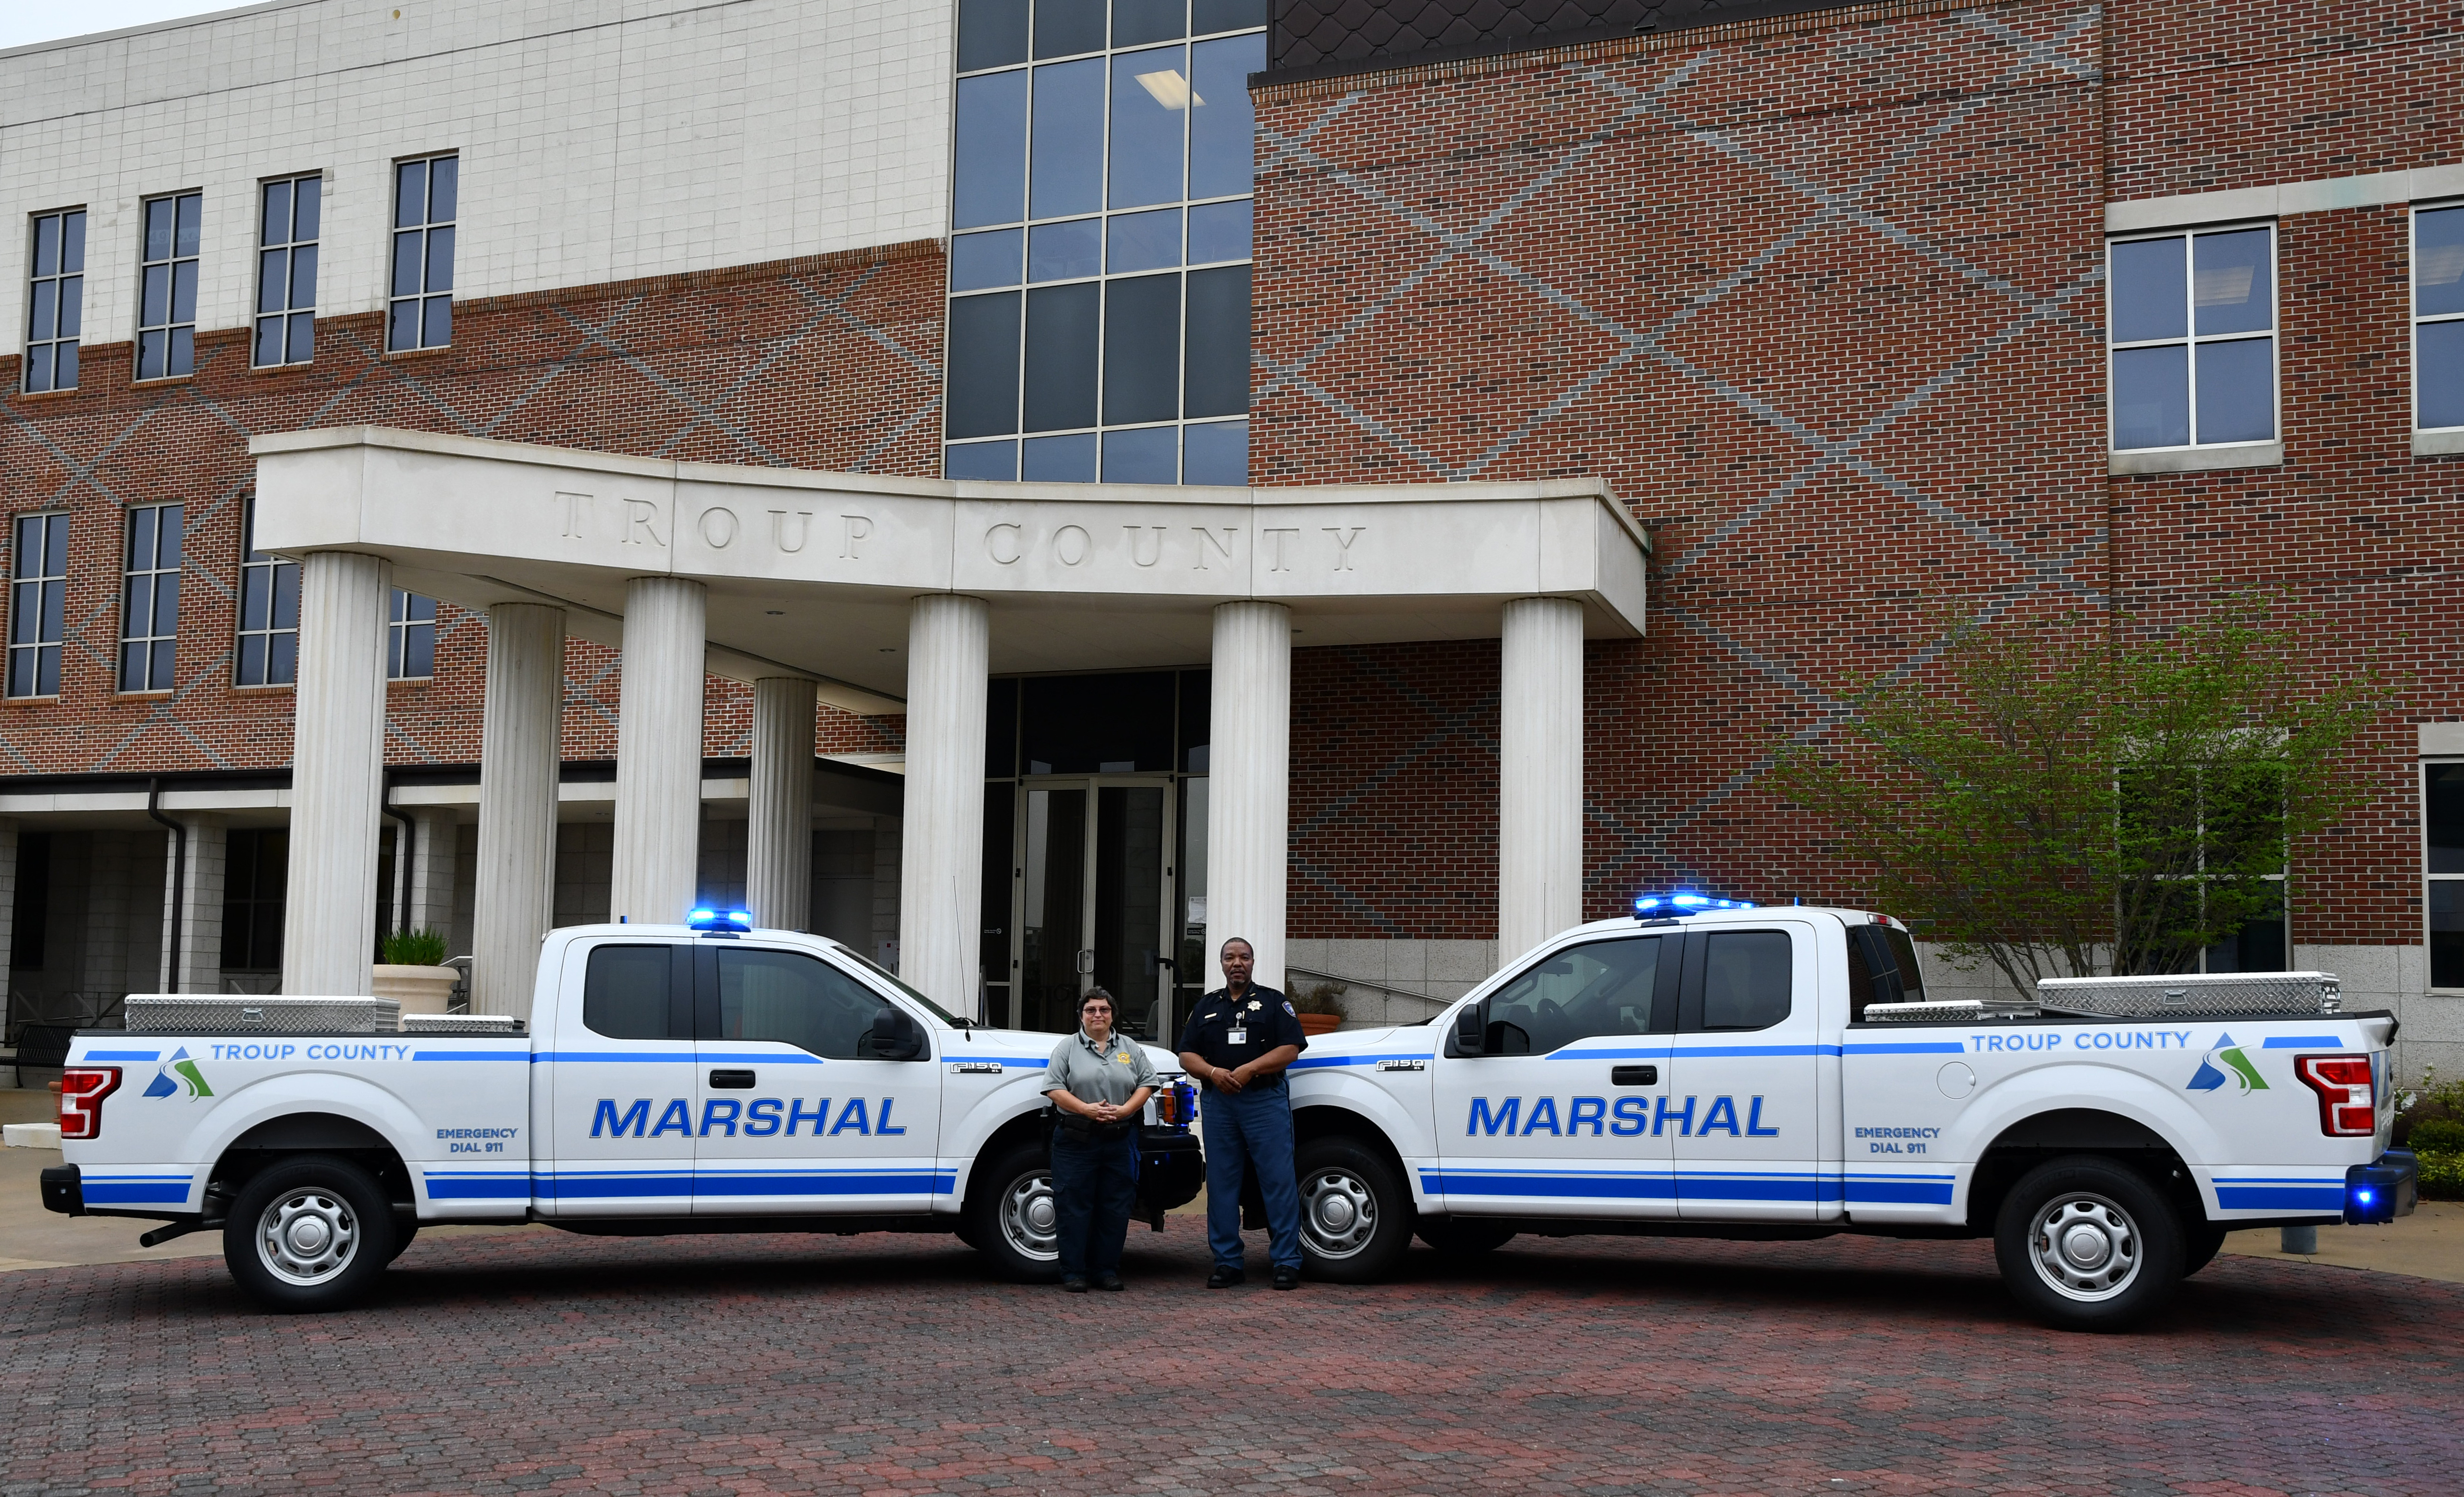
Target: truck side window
x,y
1745,978
625,994
1603,988
795,1000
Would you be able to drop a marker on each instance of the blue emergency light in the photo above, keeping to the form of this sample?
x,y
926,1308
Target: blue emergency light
x,y
720,919
1685,901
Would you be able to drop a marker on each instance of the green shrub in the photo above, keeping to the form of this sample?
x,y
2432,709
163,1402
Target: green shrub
x,y
2442,1177
425,947
2438,1136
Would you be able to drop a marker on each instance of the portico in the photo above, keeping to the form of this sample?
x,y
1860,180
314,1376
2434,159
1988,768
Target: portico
x,y
885,595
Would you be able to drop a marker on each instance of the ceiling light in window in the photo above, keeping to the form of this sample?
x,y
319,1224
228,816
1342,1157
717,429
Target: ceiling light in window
x,y
1170,89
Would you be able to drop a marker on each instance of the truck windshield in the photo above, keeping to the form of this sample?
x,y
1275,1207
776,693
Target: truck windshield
x,y
891,978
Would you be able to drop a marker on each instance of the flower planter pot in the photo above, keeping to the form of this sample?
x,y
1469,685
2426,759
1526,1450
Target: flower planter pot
x,y
419,989
1315,1024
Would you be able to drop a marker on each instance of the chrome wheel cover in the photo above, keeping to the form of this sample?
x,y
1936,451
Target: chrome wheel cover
x,y
1030,1218
2085,1247
1338,1213
307,1236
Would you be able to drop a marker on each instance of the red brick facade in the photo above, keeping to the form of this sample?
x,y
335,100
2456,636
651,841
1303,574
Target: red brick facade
x,y
827,364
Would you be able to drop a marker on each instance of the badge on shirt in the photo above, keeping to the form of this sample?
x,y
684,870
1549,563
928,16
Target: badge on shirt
x,y
1238,1036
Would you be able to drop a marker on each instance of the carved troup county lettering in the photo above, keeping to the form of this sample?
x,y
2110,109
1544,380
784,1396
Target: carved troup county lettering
x,y
779,529
858,527
574,504
1142,555
640,517
718,527
1070,552
996,544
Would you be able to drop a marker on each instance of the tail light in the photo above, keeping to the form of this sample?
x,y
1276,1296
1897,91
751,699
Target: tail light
x,y
2346,1107
1176,1104
82,1088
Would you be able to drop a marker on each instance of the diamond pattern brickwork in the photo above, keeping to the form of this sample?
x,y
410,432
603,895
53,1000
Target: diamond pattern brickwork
x,y
1317,37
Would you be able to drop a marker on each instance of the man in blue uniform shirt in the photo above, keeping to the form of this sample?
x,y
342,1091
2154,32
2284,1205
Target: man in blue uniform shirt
x,y
1239,1040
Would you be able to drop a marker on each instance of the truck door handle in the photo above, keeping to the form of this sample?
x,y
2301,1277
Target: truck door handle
x,y
731,1080
1634,1075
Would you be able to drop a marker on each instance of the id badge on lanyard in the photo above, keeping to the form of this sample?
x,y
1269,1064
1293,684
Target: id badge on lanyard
x,y
1238,1037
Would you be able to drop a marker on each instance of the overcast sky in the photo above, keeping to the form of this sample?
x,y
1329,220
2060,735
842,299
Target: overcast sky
x,y
24,21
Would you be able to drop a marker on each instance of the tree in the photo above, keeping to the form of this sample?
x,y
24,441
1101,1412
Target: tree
x,y
2061,804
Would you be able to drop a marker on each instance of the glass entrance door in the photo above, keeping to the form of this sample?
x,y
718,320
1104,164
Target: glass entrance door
x,y
1093,894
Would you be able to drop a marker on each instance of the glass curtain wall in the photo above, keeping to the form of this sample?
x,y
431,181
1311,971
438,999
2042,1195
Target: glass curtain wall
x,y
1099,266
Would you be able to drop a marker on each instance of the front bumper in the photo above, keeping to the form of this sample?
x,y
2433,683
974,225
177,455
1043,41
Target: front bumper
x,y
1171,1170
64,1190
2382,1191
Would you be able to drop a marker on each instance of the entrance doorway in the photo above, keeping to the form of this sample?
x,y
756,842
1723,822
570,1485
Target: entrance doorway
x,y
1092,900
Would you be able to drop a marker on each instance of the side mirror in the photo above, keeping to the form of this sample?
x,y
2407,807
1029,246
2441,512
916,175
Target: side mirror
x,y
896,1036
1471,1030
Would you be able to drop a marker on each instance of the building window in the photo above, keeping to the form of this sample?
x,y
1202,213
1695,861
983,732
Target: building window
x,y
286,272
420,307
269,614
150,610
38,601
1099,277
55,301
166,288
2442,812
256,868
2438,316
2192,320
410,637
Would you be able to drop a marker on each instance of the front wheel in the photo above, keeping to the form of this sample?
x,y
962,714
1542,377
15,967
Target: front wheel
x,y
309,1233
2201,1247
2087,1245
1011,1216
1355,1215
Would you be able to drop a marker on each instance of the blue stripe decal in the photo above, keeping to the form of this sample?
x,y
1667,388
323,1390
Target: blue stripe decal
x,y
1589,1187
601,1187
2301,1041
1305,1062
761,1057
470,1055
137,1190
1680,1052
683,1057
1909,1047
479,1187
1025,1062
2293,1197
120,1055
673,1057
1898,1192
886,1182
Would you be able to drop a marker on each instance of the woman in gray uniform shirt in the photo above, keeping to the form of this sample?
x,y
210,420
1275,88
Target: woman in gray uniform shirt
x,y
1097,1080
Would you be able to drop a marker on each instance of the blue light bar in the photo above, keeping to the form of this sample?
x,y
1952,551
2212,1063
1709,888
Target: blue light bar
x,y
1685,901
720,919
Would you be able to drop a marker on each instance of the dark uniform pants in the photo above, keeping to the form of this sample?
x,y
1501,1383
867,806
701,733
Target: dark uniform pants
x,y
1093,1187
1251,1128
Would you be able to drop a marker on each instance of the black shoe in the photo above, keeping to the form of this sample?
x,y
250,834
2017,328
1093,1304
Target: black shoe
x,y
1109,1280
1073,1284
1224,1278
1288,1278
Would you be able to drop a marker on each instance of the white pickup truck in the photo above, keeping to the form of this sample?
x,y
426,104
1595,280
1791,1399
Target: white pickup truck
x,y
1776,1074
703,1079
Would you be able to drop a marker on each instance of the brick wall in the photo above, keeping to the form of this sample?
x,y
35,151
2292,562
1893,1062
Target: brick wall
x,y
830,362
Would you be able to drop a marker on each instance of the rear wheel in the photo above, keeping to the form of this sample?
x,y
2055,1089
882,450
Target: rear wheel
x,y
2087,1245
1464,1236
1011,1216
309,1233
1355,1215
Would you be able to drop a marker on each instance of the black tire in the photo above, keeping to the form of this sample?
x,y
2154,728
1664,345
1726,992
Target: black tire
x,y
1464,1236
403,1230
1355,1215
2087,1245
1009,1214
2200,1246
310,1233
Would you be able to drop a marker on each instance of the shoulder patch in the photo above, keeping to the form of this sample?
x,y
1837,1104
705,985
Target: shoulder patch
x,y
1288,1009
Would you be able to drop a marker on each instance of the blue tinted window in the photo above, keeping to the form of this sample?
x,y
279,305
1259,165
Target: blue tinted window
x,y
1148,455
1152,101
2438,299
981,262
2232,285
2193,363
1144,240
1061,342
989,460
2438,263
1224,15
1065,252
1058,460
1142,349
1221,126
992,34
1067,172
2148,290
1219,341
1064,26
984,365
990,185
1216,453
1219,232
2440,372
1138,22
2238,390
2151,398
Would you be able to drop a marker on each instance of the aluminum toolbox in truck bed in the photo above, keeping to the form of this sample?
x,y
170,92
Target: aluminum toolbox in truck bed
x,y
190,1013
2220,995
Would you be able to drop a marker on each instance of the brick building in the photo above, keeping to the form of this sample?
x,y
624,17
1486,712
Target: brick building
x,y
1864,313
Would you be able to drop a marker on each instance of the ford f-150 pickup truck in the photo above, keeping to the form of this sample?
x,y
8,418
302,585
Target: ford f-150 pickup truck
x,y
1777,1073
699,1078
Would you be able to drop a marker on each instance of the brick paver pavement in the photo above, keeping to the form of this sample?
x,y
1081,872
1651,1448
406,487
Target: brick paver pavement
x,y
544,1362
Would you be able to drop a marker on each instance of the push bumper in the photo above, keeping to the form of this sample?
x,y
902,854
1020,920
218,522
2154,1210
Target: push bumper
x,y
2382,1192
1171,1171
64,1190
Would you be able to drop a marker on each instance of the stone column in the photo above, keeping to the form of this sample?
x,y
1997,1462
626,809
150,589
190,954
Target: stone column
x,y
941,874
433,843
659,753
1540,774
337,775
1249,791
779,840
513,878
195,964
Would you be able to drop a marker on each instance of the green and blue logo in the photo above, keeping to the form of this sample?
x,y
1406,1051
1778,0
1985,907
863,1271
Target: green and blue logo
x,y
176,1072
2224,1063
